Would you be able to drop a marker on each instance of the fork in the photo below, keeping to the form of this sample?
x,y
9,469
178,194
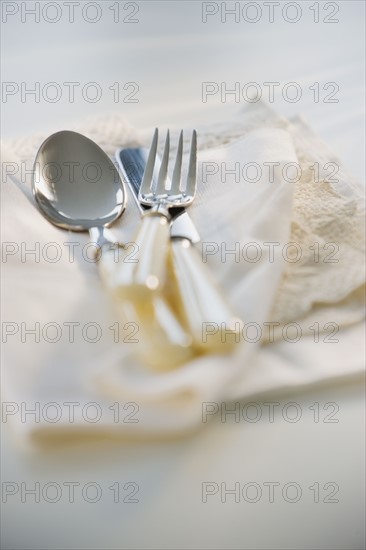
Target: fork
x,y
147,275
193,291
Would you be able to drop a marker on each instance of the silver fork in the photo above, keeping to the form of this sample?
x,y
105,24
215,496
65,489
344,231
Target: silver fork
x,y
148,274
201,305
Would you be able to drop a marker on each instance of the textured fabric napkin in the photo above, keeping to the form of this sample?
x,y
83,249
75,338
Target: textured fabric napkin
x,y
77,369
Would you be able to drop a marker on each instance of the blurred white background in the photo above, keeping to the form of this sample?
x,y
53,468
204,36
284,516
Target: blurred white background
x,y
169,52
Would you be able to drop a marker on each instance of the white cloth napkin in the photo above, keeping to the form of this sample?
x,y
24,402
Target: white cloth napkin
x,y
79,386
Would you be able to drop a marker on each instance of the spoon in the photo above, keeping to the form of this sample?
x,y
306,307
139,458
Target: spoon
x,y
78,188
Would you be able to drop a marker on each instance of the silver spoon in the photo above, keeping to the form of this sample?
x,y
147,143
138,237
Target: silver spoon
x,y
77,187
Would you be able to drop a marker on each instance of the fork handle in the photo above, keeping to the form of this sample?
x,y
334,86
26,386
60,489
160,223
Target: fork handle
x,y
210,320
161,341
144,275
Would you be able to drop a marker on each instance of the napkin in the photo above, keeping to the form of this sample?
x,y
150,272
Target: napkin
x,y
281,224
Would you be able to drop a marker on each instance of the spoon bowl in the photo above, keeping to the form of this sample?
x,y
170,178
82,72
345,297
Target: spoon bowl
x,y
75,184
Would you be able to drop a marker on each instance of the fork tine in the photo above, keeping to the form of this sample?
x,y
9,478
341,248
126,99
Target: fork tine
x,y
192,169
149,169
163,172
178,166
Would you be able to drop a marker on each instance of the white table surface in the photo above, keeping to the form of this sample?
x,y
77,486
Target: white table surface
x,y
169,53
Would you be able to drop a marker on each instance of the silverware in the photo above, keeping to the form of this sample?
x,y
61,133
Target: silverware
x,y
132,164
195,294
77,187
148,275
